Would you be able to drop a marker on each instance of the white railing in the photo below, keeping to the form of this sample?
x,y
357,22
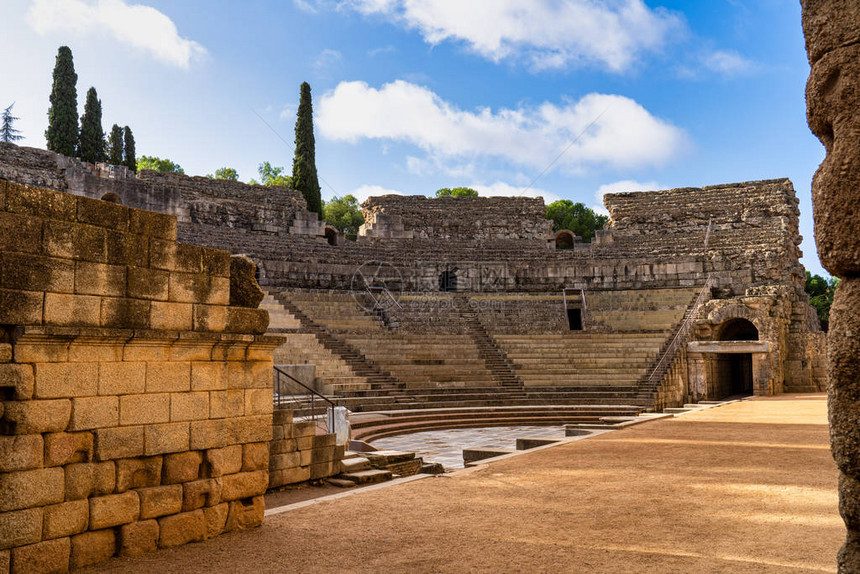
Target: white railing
x,y
681,335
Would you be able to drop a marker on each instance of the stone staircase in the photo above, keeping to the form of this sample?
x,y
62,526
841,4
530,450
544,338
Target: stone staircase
x,y
495,358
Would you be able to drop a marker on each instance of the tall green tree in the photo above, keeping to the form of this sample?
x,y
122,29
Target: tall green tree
x,y
304,164
91,147
456,192
128,149
8,133
272,175
158,164
62,132
344,214
576,217
116,146
225,173
821,292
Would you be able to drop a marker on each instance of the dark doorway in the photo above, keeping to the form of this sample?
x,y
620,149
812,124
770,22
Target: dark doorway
x,y
448,281
738,330
734,375
574,319
331,235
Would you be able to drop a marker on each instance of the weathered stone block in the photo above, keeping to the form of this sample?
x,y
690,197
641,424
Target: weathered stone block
x,y
27,272
181,467
183,528
192,406
249,429
65,519
167,438
216,519
84,351
30,488
89,243
102,213
100,279
208,376
210,318
92,547
21,307
144,283
20,527
23,234
5,561
113,510
144,409
42,351
122,378
58,240
160,501
157,225
282,417
72,310
283,446
90,413
22,452
221,461
824,32
176,256
168,377
208,434
244,289
224,404
61,380
126,248
258,401
284,461
843,348
219,291
120,442
245,514
138,473
241,320
138,538
66,448
51,556
255,456
244,485
39,202
171,316
189,288
200,493
121,313
249,375
83,480
31,417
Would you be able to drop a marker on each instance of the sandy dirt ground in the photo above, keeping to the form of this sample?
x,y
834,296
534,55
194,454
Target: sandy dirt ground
x,y
746,487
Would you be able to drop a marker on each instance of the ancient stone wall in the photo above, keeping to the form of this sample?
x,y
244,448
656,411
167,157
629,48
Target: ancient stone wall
x,y
135,402
832,29
457,218
298,454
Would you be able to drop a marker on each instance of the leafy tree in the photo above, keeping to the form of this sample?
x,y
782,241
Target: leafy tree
x,y
91,147
271,175
8,133
344,214
158,164
128,149
226,173
456,192
821,292
115,146
62,132
304,164
576,217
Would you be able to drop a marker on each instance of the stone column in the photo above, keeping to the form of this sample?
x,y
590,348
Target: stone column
x,y
832,29
696,377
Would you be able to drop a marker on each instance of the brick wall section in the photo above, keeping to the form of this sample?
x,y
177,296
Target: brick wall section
x,y
135,403
298,454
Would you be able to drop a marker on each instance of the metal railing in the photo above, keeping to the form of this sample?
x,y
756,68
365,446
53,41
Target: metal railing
x,y
681,335
291,393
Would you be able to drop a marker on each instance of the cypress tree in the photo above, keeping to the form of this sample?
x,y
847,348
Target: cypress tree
x,y
92,144
62,132
115,146
130,159
8,133
304,164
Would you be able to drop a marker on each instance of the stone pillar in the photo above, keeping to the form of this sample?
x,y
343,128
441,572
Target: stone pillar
x,y
832,29
697,386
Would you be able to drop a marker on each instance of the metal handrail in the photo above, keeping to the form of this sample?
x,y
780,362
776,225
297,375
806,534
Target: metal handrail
x,y
681,335
314,395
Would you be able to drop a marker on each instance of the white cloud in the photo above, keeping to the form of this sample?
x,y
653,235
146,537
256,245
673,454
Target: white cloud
x,y
366,191
389,49
549,33
305,6
623,186
502,189
328,59
727,63
625,135
139,26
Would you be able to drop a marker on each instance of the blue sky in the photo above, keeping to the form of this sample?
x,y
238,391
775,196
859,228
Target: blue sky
x,y
413,95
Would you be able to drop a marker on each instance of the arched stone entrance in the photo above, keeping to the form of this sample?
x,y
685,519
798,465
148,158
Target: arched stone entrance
x,y
448,281
331,235
565,239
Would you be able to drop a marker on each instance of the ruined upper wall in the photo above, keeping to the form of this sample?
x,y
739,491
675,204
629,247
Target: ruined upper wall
x,y
457,218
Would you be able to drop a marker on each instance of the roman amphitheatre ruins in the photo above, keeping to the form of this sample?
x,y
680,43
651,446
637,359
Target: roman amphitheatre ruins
x,y
171,345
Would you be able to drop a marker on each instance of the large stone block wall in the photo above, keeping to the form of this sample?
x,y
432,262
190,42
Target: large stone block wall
x,y
832,29
135,402
458,218
298,454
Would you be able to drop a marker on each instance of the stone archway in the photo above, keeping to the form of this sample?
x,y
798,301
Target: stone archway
x,y
331,235
565,239
737,330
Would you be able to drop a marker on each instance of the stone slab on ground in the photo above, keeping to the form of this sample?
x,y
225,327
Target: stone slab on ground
x,y
367,476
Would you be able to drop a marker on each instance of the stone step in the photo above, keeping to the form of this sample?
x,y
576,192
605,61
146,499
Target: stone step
x,y
372,476
355,464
